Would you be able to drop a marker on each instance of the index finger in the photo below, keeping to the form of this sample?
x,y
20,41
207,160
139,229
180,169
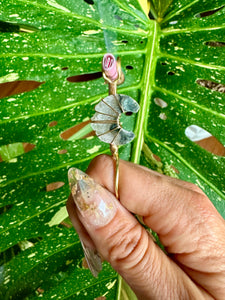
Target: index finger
x,y
143,191
186,221
176,210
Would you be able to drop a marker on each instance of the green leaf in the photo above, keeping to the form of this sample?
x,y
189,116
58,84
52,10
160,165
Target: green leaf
x,y
159,8
174,67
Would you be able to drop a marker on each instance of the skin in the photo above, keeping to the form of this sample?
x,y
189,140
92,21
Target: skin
x,y
188,225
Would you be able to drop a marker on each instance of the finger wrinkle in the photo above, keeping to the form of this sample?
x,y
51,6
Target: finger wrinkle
x,y
144,266
134,251
123,243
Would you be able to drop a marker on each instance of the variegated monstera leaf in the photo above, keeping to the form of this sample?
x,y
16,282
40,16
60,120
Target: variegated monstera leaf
x,y
50,81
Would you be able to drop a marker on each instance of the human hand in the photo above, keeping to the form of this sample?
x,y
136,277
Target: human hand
x,y
187,223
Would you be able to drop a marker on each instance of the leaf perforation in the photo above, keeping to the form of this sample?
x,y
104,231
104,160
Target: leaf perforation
x,y
209,12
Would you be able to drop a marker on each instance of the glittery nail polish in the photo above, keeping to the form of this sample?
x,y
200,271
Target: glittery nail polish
x,y
96,205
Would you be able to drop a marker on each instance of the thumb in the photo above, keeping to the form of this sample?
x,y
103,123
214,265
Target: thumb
x,y
125,244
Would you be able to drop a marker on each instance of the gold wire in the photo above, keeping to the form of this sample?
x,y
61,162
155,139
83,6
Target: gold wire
x,y
115,156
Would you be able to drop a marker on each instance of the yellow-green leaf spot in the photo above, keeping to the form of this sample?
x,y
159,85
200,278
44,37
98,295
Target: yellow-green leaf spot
x,y
57,5
61,215
94,149
168,170
25,245
9,77
109,285
89,32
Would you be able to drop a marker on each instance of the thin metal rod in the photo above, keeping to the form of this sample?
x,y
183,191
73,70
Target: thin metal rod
x,y
115,156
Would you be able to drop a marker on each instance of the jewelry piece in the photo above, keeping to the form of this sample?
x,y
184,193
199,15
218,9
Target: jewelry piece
x,y
106,122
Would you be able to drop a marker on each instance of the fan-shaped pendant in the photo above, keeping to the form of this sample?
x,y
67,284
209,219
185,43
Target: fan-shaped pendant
x,y
106,121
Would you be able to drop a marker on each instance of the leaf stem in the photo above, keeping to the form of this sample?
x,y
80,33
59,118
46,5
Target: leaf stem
x,y
146,91
119,286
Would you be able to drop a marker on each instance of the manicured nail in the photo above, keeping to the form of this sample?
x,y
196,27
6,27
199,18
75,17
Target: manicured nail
x,y
109,66
96,205
93,259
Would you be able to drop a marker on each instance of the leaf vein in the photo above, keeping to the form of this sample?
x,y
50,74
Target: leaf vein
x,y
179,157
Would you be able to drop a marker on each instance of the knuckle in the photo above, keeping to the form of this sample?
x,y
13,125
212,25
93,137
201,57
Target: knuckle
x,y
209,223
202,205
196,189
102,160
99,165
127,247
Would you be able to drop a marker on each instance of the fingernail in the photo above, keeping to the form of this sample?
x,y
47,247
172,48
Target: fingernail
x,y
93,259
96,205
